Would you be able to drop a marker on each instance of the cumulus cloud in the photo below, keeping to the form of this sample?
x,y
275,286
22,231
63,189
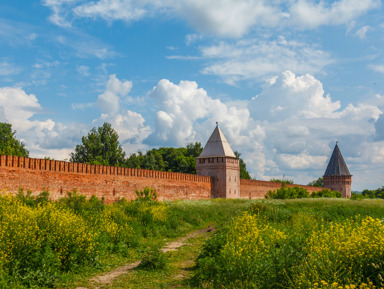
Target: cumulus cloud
x,y
109,100
289,129
131,128
181,105
57,140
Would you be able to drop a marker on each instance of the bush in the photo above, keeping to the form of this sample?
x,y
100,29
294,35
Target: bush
x,y
153,259
147,194
288,193
326,193
37,243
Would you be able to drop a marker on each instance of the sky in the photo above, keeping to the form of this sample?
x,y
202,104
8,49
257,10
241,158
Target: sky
x,y
285,79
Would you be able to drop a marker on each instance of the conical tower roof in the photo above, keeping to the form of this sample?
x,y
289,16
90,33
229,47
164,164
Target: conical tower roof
x,y
337,165
217,146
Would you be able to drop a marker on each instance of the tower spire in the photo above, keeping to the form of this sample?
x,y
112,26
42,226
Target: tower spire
x,y
337,176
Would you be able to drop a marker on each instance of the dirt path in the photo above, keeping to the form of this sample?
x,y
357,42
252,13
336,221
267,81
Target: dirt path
x,y
109,277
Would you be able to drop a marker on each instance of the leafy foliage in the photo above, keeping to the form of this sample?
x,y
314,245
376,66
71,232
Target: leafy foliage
x,y
101,147
283,180
297,192
147,194
153,259
317,183
326,193
288,193
9,145
243,167
180,160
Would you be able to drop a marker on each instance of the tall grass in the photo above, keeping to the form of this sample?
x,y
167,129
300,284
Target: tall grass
x,y
307,243
41,241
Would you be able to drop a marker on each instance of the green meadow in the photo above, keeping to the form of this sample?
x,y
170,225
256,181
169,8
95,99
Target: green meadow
x,y
302,243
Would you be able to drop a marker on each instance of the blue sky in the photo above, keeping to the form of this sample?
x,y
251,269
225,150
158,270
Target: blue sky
x,y
285,79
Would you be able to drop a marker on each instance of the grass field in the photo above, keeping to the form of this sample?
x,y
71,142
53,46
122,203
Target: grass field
x,y
304,243
308,243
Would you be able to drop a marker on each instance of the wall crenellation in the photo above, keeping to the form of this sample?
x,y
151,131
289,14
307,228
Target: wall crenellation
x,y
69,167
114,183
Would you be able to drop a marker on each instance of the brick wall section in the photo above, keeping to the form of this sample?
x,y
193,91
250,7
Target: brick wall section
x,y
254,189
102,181
113,183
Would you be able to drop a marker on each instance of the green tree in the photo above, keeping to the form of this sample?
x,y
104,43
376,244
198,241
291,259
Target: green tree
x,y
9,145
243,167
101,146
317,183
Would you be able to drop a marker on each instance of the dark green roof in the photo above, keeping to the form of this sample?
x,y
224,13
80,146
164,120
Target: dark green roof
x,y
337,165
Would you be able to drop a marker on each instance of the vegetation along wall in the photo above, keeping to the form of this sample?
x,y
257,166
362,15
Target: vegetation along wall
x,y
112,183
255,189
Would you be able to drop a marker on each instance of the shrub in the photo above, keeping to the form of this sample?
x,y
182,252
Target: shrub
x,y
326,193
288,193
153,259
147,194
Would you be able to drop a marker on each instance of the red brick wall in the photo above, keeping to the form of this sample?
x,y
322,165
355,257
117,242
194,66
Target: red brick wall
x,y
253,189
102,181
113,183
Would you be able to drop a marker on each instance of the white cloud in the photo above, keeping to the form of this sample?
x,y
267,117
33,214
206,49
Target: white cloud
x,y
311,14
130,127
109,100
230,18
83,70
289,129
110,10
86,46
18,106
258,59
363,31
7,69
377,68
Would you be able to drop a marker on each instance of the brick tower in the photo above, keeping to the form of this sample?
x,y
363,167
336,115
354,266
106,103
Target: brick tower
x,y
218,161
337,176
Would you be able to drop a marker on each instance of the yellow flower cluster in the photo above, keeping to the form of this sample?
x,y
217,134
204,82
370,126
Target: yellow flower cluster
x,y
157,211
67,232
324,285
248,240
343,251
115,224
24,229
18,229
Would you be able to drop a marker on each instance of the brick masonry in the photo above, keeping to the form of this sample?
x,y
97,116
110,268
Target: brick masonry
x,y
112,183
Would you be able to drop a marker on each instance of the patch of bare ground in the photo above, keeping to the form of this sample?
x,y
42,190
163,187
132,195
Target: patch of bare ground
x,y
103,280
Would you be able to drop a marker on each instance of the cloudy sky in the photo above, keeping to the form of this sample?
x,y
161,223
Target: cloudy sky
x,y
285,79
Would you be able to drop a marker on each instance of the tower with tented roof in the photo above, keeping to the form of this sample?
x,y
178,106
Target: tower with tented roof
x,y
337,176
218,161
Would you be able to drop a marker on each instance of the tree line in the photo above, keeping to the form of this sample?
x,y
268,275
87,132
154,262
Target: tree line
x,y
102,147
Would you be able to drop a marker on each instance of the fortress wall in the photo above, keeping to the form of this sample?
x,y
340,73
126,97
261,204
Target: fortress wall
x,y
255,189
109,182
112,183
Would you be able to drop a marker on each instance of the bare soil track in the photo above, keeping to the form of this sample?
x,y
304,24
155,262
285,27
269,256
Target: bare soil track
x,y
108,278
